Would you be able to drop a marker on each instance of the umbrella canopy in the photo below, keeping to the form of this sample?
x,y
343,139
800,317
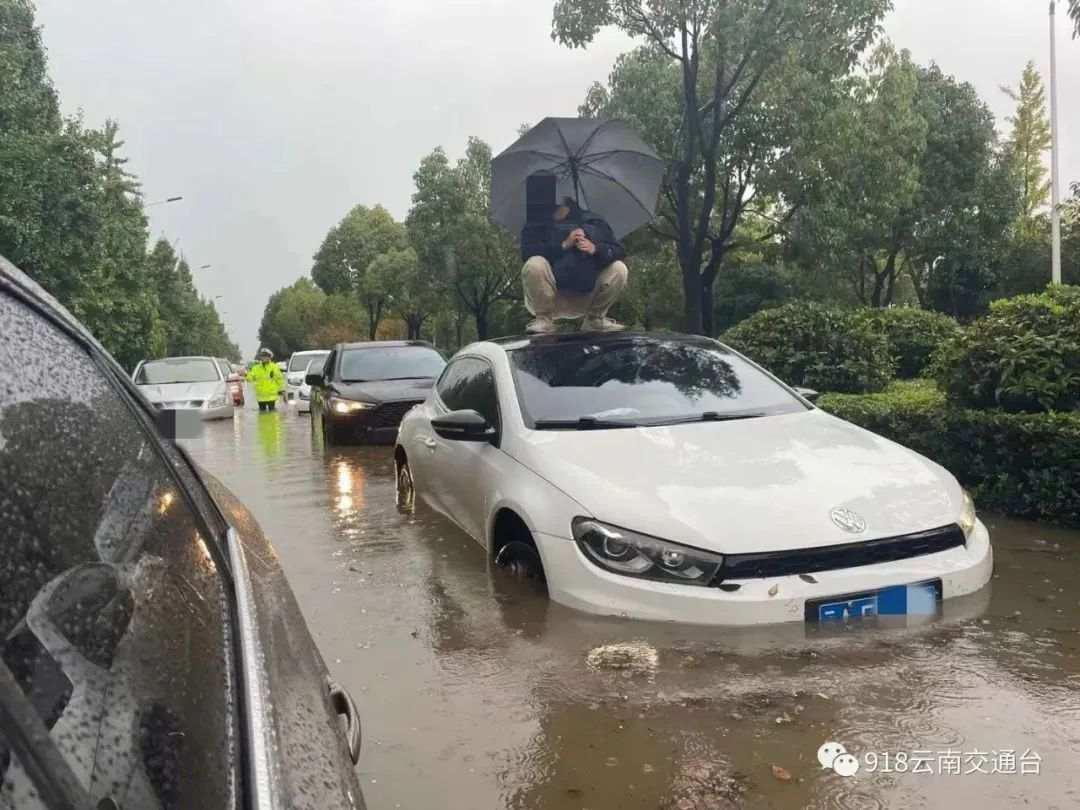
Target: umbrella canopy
x,y
604,165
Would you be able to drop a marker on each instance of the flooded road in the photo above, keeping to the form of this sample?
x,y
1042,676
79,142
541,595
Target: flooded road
x,y
477,693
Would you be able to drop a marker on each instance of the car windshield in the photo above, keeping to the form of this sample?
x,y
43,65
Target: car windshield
x,y
178,370
299,362
397,363
641,381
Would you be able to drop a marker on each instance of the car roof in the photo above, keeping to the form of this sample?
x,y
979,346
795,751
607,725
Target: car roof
x,y
310,351
383,344
593,338
183,357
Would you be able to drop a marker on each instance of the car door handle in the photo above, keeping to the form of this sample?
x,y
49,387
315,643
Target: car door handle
x,y
344,705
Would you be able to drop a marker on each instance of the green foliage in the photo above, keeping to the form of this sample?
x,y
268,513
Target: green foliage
x,y
1023,356
914,335
71,216
1018,464
726,92
805,343
1029,142
353,244
463,256
744,289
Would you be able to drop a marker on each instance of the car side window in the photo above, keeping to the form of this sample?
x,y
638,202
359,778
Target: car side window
x,y
328,369
113,613
469,384
223,367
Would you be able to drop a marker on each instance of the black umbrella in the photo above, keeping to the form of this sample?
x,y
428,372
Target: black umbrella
x,y
604,165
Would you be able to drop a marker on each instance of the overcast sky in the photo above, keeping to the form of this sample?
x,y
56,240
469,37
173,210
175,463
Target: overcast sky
x,y
273,117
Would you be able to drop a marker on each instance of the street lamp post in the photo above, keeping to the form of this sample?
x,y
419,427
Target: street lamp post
x,y
1055,184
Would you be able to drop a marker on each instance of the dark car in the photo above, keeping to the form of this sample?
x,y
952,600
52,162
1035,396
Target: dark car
x,y
152,654
366,388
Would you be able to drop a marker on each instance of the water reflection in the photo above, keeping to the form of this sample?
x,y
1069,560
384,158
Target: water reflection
x,y
476,691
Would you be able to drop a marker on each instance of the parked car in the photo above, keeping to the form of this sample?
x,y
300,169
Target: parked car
x,y
152,654
366,388
296,370
303,393
670,478
195,383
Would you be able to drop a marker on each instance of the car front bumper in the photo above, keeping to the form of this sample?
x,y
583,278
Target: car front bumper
x,y
575,582
221,412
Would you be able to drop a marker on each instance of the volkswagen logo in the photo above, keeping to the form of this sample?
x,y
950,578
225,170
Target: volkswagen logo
x,y
847,520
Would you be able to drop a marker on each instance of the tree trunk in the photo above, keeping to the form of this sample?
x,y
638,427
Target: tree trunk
x,y
708,315
481,324
692,322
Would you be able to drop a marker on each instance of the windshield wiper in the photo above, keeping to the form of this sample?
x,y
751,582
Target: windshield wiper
x,y
421,377
711,416
584,423
353,381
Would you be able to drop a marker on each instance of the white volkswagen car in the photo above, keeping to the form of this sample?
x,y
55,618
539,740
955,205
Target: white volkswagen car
x,y
669,478
187,383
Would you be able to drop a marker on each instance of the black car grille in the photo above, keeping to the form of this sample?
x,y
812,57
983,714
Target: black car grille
x,y
846,555
391,414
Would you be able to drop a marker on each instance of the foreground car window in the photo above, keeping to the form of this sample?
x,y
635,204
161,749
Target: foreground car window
x,y
180,370
644,381
113,614
362,365
469,385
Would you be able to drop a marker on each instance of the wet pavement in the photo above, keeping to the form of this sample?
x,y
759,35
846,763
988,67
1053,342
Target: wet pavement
x,y
477,693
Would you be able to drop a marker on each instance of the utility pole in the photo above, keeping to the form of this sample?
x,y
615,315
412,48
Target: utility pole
x,y
1055,184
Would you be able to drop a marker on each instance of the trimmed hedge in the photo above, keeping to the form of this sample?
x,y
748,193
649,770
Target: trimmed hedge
x,y
1027,465
804,343
1023,356
914,335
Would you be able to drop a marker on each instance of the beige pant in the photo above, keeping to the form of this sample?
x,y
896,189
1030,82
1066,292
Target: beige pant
x,y
544,300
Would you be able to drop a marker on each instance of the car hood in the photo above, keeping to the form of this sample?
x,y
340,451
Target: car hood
x,y
385,390
182,392
766,484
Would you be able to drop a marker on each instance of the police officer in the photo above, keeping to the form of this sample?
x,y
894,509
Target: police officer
x,y
268,380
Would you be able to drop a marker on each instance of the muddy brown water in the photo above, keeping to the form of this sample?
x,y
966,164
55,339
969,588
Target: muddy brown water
x,y
477,693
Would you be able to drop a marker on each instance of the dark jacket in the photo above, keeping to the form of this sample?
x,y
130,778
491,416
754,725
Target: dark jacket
x,y
574,271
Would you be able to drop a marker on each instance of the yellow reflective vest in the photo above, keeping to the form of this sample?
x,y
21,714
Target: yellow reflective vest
x,y
268,381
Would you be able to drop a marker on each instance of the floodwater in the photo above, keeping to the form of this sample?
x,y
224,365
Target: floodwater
x,y
477,693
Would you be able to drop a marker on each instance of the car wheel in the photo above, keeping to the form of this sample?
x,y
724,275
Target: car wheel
x,y
520,558
406,490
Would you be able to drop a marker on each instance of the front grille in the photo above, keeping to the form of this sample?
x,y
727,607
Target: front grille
x,y
391,414
846,555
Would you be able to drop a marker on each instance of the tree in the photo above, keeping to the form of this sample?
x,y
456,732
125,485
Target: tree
x,y
725,54
351,245
1029,141
861,215
1074,12
291,316
458,247
377,286
416,297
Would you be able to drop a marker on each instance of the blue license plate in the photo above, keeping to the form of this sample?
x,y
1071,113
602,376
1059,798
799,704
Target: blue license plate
x,y
920,599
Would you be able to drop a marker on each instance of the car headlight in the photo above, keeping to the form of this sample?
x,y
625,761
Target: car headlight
x,y
966,521
343,406
216,402
638,555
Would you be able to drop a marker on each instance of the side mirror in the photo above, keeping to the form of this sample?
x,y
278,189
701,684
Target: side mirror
x,y
808,394
314,379
464,426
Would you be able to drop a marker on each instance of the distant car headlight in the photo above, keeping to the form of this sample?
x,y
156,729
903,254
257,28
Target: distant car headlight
x,y
216,402
343,406
638,555
966,521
